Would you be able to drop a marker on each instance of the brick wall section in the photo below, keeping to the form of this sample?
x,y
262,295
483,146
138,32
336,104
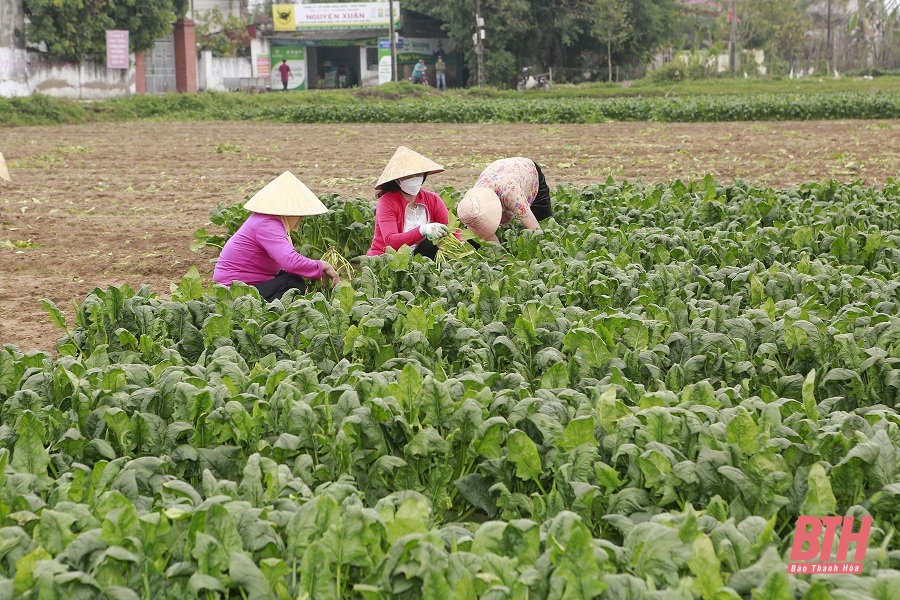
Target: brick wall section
x,y
140,75
185,56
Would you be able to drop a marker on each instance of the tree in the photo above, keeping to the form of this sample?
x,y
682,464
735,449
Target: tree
x,y
777,26
612,25
653,26
560,29
508,23
788,40
874,28
549,33
223,35
76,29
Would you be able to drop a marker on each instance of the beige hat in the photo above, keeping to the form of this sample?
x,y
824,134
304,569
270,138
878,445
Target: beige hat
x,y
4,172
406,162
286,196
480,211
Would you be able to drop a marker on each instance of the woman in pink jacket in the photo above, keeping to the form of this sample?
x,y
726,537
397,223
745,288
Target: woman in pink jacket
x,y
261,253
406,214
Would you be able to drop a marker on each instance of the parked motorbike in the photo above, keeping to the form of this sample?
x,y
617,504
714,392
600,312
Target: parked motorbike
x,y
423,80
530,81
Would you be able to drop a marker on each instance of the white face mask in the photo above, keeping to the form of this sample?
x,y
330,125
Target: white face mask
x,y
412,185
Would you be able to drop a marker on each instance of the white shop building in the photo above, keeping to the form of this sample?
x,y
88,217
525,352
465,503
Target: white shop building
x,y
337,45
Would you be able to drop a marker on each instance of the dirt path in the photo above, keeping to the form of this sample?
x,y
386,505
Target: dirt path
x,y
108,204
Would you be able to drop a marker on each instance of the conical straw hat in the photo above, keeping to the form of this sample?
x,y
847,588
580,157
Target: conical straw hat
x,y
4,172
286,196
406,162
480,210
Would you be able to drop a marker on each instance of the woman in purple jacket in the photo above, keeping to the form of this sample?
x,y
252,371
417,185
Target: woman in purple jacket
x,y
261,253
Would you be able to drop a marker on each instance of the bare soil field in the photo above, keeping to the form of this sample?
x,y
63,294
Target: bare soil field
x,y
110,204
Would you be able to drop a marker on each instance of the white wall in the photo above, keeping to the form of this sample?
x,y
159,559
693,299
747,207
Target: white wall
x,y
367,77
87,81
212,71
258,47
752,61
13,72
224,6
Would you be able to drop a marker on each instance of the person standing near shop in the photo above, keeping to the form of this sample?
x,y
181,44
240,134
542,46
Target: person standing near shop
x,y
440,72
418,73
286,74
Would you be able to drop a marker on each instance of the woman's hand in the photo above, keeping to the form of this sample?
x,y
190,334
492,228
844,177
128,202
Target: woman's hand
x,y
330,272
434,231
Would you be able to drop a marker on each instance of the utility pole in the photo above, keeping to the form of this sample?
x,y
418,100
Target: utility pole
x,y
732,54
478,38
13,72
393,41
12,33
828,49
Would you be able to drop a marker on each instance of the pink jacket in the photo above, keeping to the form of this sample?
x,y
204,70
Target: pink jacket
x,y
389,217
258,251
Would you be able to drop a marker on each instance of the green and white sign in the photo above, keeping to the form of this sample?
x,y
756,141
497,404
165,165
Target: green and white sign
x,y
296,60
425,48
384,58
410,50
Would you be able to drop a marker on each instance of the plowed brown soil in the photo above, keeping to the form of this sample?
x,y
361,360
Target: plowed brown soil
x,y
108,204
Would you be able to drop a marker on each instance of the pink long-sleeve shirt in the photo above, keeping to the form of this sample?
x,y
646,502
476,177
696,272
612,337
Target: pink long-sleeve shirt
x,y
390,216
258,250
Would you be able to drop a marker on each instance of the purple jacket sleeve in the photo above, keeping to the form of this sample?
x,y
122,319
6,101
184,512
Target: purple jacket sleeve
x,y
272,237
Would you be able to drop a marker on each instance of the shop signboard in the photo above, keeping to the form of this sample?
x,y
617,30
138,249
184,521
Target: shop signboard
x,y
333,15
295,56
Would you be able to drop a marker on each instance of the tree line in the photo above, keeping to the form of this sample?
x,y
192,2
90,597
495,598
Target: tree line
x,y
579,39
796,35
76,29
585,39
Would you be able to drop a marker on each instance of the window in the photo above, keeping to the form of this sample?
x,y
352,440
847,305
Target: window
x,y
372,58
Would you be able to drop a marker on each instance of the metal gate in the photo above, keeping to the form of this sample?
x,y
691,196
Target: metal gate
x,y
159,66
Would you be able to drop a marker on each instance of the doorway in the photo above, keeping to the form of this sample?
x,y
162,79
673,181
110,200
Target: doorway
x,y
337,67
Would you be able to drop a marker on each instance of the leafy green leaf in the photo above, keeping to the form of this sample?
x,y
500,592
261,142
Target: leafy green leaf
x,y
29,453
524,455
820,500
704,564
743,431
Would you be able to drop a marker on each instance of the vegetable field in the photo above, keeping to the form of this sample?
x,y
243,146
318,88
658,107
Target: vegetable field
x,y
592,392
636,402
87,207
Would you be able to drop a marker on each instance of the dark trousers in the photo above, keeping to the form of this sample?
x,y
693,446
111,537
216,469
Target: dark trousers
x,y
276,287
284,84
428,249
540,208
